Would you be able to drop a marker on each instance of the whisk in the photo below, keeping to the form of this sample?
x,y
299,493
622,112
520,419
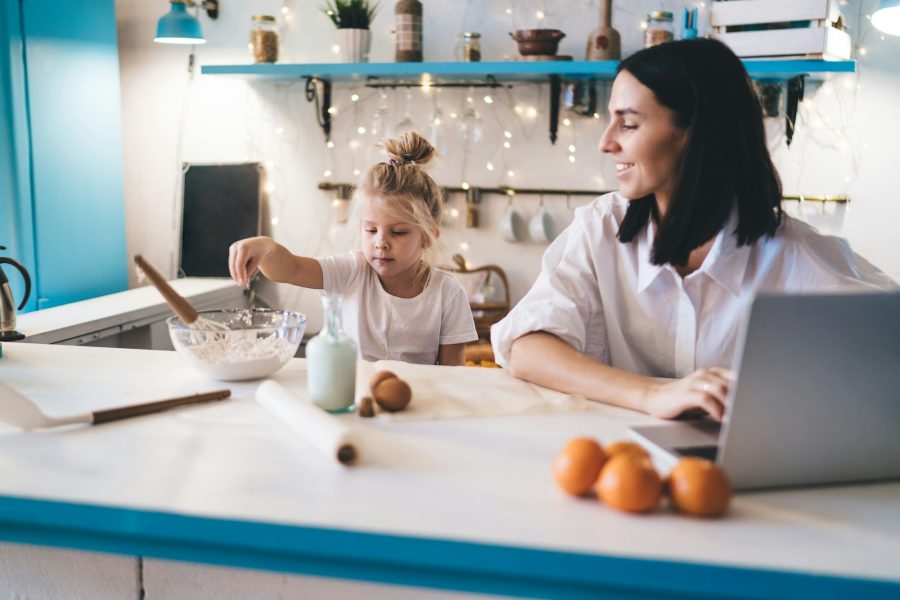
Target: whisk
x,y
206,330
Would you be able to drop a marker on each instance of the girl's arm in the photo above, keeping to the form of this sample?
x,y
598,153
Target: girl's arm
x,y
452,355
546,360
275,262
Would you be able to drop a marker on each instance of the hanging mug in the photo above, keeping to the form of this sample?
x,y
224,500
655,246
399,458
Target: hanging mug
x,y
540,227
511,224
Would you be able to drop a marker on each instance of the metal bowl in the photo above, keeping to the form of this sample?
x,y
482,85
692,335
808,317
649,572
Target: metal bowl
x,y
239,344
532,42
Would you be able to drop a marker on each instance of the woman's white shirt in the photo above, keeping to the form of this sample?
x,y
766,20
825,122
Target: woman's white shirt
x,y
387,327
606,298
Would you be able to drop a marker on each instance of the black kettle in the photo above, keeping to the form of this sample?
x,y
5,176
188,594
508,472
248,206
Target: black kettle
x,y
8,309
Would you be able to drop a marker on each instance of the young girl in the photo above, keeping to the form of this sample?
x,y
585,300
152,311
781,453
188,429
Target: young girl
x,y
396,305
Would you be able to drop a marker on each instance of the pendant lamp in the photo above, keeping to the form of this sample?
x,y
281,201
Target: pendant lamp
x,y
180,27
886,17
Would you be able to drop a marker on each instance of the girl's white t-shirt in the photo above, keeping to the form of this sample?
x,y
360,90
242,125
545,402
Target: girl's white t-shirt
x,y
386,327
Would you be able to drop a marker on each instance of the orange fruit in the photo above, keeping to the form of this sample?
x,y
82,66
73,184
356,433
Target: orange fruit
x,y
698,487
623,446
629,483
577,465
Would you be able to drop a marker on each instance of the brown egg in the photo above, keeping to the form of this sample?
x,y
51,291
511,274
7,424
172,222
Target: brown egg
x,y
698,487
623,446
630,483
577,465
392,394
378,378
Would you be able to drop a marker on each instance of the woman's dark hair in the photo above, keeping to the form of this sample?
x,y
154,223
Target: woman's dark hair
x,y
725,160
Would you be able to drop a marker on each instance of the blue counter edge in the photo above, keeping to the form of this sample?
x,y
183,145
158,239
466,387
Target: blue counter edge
x,y
401,560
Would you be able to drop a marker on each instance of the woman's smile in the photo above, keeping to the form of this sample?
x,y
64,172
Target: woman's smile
x,y
622,168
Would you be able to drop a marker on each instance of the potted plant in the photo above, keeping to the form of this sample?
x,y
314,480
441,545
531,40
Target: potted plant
x,y
352,19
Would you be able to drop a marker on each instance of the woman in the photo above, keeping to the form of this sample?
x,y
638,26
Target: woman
x,y
652,281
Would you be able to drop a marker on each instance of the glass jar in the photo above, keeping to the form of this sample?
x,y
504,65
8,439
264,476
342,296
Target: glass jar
x,y
471,46
408,30
331,361
660,28
264,39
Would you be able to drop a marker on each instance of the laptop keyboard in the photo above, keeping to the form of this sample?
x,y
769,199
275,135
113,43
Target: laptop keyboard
x,y
707,452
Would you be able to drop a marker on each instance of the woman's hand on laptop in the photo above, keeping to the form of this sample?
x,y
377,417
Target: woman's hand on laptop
x,y
704,390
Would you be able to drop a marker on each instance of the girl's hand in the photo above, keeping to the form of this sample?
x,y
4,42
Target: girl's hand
x,y
245,256
704,390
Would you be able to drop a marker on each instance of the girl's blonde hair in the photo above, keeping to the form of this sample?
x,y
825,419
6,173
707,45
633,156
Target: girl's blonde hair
x,y
402,186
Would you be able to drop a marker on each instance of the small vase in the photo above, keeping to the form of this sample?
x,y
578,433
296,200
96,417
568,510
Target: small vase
x,y
604,42
355,44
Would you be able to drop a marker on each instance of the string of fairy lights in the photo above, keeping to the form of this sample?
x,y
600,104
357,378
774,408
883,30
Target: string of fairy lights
x,y
462,120
826,117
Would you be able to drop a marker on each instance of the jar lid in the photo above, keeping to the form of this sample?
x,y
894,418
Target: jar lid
x,y
472,34
660,15
264,18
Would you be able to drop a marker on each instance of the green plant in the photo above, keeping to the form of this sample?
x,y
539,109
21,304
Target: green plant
x,y
350,14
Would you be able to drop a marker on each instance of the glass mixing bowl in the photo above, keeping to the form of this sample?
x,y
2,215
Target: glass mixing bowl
x,y
238,344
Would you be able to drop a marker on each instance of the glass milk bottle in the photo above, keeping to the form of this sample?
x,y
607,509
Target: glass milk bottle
x,y
331,361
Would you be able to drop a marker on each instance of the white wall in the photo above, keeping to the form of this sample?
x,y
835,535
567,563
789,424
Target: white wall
x,y
847,140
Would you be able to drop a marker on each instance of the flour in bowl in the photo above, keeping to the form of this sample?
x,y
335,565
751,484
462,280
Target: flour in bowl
x,y
236,355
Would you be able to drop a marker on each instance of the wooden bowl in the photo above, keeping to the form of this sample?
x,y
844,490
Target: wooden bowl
x,y
537,41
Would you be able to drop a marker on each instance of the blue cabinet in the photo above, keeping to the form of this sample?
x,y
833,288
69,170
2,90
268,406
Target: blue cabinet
x,y
61,174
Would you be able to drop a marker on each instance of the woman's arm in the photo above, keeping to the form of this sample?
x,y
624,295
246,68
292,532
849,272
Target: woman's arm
x,y
275,262
546,360
453,355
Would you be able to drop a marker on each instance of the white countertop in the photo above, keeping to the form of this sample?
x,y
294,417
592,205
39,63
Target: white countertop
x,y
138,305
481,480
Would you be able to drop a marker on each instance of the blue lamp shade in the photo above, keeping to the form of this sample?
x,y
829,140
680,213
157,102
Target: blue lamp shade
x,y
178,27
887,17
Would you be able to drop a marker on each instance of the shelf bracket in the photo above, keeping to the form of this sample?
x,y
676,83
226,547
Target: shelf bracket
x,y
795,88
323,103
555,89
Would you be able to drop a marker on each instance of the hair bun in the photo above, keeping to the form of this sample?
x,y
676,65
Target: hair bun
x,y
409,148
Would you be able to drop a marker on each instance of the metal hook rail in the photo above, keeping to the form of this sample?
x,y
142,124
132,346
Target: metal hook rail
x,y
474,193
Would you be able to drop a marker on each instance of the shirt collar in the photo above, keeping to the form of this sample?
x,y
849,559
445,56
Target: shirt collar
x,y
647,271
725,264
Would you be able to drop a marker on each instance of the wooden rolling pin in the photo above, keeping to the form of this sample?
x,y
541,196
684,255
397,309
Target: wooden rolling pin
x,y
137,410
184,310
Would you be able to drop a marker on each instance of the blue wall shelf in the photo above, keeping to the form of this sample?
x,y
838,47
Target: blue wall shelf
x,y
319,77
506,71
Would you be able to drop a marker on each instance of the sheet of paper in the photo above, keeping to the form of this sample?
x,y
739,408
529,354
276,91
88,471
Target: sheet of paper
x,y
459,392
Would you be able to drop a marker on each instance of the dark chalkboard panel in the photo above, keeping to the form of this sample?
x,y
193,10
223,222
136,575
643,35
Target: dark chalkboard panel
x,y
221,204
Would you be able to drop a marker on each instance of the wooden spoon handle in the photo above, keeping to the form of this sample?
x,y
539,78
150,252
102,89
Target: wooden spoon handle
x,y
182,307
114,414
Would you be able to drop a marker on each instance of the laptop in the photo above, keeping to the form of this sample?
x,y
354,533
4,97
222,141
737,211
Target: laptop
x,y
816,400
